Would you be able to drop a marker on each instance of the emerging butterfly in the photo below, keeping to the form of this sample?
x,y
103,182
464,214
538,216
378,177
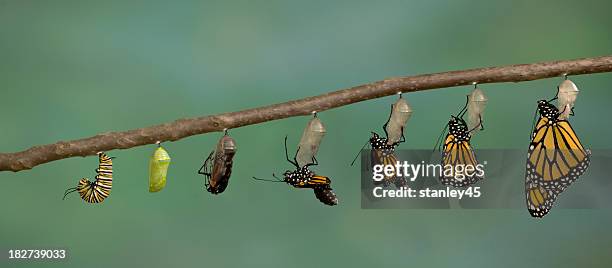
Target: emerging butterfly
x,y
383,153
303,177
556,158
457,151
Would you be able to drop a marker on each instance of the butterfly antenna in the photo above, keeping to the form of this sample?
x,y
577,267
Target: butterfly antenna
x,y
255,178
358,153
68,191
440,138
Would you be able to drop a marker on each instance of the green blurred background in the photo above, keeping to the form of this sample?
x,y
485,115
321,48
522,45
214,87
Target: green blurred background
x,y
72,69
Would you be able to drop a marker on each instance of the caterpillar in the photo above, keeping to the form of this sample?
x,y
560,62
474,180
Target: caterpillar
x,y
98,190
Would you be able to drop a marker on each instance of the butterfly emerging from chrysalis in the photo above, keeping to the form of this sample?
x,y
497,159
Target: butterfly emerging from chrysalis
x,y
302,177
555,159
98,190
457,151
217,167
383,148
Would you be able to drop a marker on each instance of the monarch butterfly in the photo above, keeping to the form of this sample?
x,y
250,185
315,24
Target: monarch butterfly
x,y
217,167
555,159
458,151
383,153
302,177
98,190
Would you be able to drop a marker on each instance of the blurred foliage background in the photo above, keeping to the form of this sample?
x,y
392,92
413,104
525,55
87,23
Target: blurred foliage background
x,y
72,69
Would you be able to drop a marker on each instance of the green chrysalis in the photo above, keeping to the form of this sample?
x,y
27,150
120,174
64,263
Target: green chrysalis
x,y
158,169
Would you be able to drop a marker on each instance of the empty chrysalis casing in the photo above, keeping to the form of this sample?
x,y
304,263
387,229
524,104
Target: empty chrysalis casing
x,y
476,106
400,113
311,140
158,169
218,165
568,92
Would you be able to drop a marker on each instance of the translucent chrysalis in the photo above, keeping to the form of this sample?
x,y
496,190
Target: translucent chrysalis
x,y
310,141
477,102
568,92
217,168
400,113
158,169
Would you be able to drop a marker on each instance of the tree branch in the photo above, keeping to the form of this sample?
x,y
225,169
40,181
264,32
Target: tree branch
x,y
193,126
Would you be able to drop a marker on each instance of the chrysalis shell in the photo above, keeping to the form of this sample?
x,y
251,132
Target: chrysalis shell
x,y
158,169
568,92
476,105
400,113
310,141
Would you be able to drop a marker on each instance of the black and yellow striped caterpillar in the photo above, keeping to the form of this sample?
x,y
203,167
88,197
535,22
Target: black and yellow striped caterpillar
x,y
98,190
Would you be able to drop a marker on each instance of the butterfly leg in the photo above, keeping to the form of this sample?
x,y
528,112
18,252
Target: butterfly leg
x,y
294,162
385,125
206,162
480,122
464,109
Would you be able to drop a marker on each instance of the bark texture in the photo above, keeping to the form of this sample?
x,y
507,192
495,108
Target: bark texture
x,y
182,128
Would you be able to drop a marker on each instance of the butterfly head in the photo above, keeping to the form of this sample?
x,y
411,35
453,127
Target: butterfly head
x,y
547,109
377,141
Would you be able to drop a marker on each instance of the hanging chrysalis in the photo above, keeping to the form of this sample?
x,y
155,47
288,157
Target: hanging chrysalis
x,y
311,139
568,92
400,113
217,168
158,169
476,106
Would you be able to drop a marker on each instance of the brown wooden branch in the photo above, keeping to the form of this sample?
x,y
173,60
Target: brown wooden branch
x,y
192,126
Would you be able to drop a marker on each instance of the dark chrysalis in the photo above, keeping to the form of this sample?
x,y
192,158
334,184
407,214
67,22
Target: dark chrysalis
x,y
303,178
217,167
